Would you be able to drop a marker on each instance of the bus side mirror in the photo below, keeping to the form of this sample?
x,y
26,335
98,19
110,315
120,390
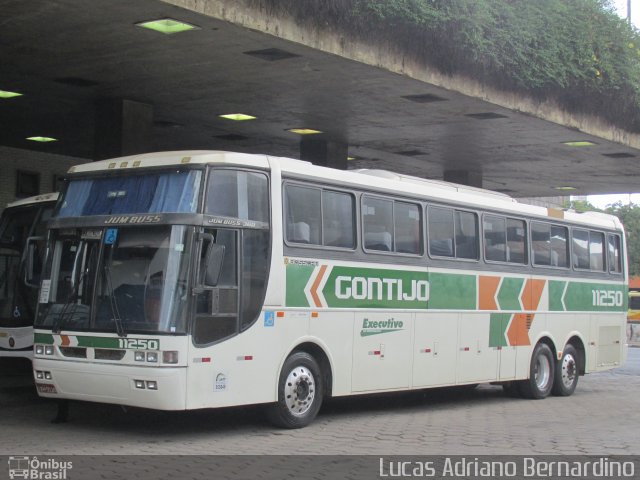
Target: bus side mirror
x,y
213,264
32,264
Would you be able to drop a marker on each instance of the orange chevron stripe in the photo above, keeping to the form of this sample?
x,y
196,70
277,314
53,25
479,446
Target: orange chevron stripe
x,y
487,288
65,340
532,294
316,284
518,332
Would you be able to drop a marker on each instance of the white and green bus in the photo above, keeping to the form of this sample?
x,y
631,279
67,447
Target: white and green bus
x,y
187,280
22,231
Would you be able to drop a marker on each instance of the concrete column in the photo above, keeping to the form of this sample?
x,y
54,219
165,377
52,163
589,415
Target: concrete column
x,y
324,152
123,127
464,177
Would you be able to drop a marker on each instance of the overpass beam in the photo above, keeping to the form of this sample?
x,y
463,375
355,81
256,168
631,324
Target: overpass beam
x,y
464,177
324,152
123,127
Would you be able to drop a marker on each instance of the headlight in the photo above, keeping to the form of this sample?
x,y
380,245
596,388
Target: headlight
x,y
39,349
48,350
152,356
138,356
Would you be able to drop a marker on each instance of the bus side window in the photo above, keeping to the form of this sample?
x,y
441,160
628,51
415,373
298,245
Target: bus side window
x,y
377,224
495,238
303,214
596,251
615,257
441,231
466,235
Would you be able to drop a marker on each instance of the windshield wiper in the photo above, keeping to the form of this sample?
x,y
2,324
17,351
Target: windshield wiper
x,y
60,321
113,303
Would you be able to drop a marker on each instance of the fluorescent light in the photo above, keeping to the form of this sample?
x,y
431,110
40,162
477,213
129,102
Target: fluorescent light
x,y
8,94
565,187
167,26
238,117
42,139
351,158
580,143
304,131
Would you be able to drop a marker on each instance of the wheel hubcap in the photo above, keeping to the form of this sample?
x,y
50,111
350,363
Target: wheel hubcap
x,y
568,369
299,391
542,372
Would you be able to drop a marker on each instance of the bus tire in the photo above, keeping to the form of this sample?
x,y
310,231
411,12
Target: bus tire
x,y
566,377
300,392
541,374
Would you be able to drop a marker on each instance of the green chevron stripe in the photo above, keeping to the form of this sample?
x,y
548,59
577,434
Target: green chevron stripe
x,y
509,294
498,324
297,279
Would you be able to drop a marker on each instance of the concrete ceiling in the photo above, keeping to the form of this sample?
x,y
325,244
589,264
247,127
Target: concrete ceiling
x,y
64,55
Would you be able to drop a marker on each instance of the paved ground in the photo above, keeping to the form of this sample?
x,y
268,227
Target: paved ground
x,y
600,418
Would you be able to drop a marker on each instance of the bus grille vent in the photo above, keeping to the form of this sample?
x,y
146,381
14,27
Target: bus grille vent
x,y
75,352
108,354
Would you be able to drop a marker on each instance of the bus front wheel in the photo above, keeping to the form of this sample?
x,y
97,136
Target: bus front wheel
x,y
566,377
300,392
541,373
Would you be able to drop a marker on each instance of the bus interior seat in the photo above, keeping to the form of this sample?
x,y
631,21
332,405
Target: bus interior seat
x,y
441,248
378,241
335,235
299,232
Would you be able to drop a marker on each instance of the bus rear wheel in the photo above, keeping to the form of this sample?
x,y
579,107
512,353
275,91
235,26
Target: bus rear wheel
x,y
300,392
541,374
566,377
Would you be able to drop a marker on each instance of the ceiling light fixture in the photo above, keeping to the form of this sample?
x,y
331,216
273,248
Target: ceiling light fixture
x,y
304,131
564,187
579,143
238,117
8,94
42,139
168,26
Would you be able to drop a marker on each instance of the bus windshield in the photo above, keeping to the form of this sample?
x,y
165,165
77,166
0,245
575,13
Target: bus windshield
x,y
16,299
175,192
122,280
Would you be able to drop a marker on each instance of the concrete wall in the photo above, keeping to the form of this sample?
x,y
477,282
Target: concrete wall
x,y
255,15
45,164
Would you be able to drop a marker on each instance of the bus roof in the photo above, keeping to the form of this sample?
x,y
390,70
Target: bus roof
x,y
382,180
44,197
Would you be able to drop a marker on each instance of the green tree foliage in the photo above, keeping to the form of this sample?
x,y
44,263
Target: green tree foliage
x,y
576,52
629,215
581,206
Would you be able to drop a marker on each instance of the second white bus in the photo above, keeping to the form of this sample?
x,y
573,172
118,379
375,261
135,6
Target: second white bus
x,y
22,231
